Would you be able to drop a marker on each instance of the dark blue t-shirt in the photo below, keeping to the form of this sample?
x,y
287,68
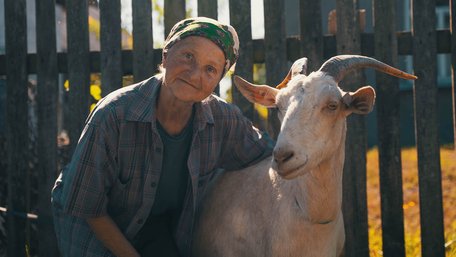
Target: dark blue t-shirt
x,y
156,236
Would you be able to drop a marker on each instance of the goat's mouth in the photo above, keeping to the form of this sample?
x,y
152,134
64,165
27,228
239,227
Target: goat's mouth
x,y
292,172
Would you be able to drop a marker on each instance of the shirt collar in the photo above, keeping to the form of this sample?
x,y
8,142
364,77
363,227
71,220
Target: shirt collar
x,y
142,109
142,106
203,113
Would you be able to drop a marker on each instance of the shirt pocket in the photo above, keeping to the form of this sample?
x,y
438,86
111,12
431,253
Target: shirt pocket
x,y
120,196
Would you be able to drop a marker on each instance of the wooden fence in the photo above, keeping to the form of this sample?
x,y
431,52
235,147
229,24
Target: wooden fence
x,y
423,42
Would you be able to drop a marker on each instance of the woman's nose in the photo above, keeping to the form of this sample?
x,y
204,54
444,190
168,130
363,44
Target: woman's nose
x,y
194,72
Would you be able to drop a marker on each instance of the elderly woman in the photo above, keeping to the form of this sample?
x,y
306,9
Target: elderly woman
x,y
148,151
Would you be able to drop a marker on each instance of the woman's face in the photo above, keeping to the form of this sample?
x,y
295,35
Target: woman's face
x,y
194,67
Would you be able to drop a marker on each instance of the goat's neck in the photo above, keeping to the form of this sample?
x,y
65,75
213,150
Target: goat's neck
x,y
318,194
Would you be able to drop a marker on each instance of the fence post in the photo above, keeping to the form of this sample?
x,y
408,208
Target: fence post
x,y
426,127
241,20
275,46
453,64
208,8
174,12
110,44
47,84
16,123
354,180
389,148
143,43
311,32
78,67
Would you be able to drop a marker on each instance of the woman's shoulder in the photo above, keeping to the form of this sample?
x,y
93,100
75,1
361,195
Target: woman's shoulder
x,y
124,95
220,107
121,101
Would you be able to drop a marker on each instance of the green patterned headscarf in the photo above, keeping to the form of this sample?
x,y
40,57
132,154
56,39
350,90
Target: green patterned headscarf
x,y
223,35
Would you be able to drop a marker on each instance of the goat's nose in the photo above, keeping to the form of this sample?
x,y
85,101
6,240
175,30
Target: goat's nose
x,y
282,155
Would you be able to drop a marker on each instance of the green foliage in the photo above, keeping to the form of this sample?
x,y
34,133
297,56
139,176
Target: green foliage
x,y
159,9
259,73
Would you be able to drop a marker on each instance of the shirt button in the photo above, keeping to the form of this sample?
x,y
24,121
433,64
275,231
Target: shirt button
x,y
153,184
140,221
200,183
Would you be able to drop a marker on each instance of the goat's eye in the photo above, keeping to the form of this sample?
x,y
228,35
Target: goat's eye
x,y
333,106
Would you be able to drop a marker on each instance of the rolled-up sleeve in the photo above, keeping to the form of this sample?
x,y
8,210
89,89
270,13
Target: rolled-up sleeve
x,y
85,182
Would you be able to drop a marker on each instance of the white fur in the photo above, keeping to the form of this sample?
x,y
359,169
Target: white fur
x,y
257,212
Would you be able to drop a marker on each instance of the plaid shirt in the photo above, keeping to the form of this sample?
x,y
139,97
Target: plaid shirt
x,y
117,163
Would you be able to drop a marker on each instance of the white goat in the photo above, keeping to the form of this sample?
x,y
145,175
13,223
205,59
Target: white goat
x,y
290,205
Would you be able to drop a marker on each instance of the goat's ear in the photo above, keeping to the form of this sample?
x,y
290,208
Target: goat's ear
x,y
360,102
298,67
260,94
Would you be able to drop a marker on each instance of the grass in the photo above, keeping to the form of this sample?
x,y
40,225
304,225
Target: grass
x,y
411,201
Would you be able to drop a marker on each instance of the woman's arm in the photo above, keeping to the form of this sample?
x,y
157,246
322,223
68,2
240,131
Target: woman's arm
x,y
112,238
244,144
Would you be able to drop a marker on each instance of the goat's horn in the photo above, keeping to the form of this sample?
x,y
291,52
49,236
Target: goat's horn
x,y
298,67
339,66
285,81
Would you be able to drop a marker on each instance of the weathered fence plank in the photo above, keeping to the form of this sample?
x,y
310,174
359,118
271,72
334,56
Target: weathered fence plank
x,y
241,20
143,51
453,63
426,127
311,32
110,46
16,123
47,98
174,12
275,53
78,67
389,148
354,180
208,8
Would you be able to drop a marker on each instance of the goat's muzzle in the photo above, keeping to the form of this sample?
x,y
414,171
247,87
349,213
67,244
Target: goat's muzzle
x,y
281,156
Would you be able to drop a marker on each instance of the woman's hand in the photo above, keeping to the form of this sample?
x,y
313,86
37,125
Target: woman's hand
x,y
112,238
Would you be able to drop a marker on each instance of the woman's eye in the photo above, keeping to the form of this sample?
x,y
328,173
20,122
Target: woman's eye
x,y
211,69
188,56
